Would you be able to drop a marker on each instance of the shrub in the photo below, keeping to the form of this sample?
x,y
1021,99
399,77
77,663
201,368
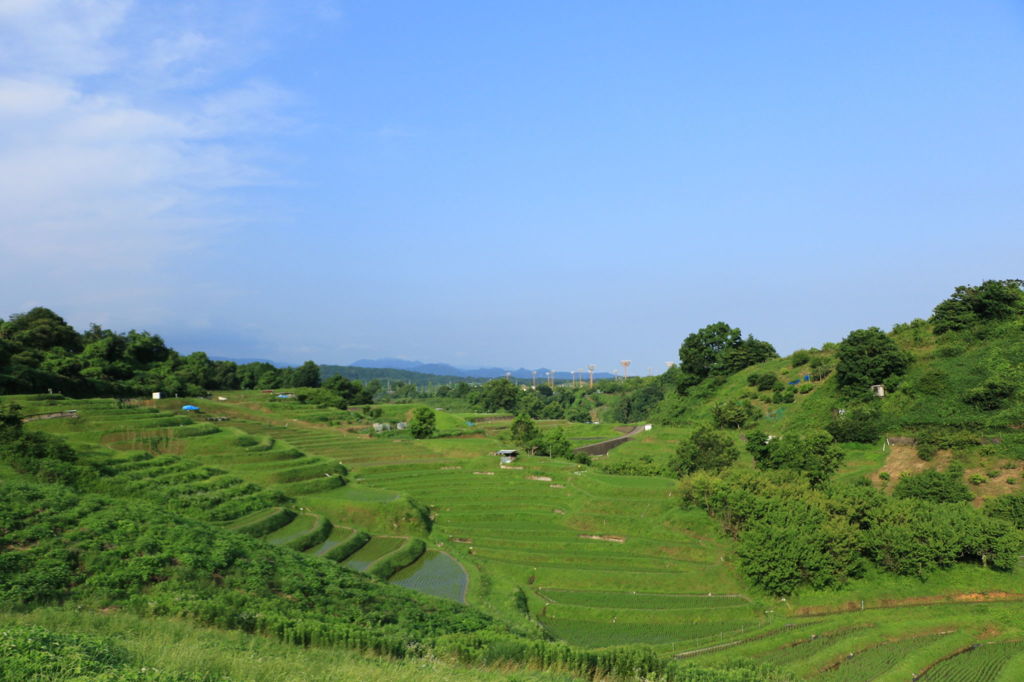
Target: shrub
x,y
861,424
934,486
991,395
800,357
977,479
884,475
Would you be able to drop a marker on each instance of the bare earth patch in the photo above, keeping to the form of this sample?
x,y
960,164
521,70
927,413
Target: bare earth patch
x,y
539,478
604,538
903,459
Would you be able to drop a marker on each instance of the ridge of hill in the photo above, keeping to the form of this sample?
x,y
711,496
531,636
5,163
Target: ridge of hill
x,y
448,371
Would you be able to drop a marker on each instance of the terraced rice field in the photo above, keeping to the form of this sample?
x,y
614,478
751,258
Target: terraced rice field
x,y
980,663
375,549
435,573
597,560
872,663
302,525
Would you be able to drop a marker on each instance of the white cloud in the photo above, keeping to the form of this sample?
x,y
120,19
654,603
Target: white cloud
x,y
116,138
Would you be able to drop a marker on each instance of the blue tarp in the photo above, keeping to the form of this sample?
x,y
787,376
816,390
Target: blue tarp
x,y
190,408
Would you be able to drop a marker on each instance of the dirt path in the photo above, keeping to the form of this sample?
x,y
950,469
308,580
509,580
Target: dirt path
x,y
605,446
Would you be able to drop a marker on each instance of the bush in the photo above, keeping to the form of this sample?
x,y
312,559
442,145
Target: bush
x,y
799,358
991,395
862,424
934,486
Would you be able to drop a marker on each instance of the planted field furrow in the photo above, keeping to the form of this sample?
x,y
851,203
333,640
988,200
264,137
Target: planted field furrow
x,y
640,600
267,457
871,663
300,526
744,614
262,522
339,536
594,634
805,648
312,485
980,663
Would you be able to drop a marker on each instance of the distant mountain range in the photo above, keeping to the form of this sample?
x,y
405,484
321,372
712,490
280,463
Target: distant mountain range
x,y
444,369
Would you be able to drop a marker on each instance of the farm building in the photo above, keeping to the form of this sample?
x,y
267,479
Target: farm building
x,y
507,456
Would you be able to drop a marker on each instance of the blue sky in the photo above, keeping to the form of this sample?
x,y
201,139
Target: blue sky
x,y
514,184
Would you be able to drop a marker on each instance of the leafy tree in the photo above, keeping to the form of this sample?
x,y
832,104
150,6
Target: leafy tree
x,y
706,448
797,543
719,349
991,300
860,424
40,329
499,395
307,374
638,404
733,413
867,357
556,443
424,423
814,455
524,433
350,391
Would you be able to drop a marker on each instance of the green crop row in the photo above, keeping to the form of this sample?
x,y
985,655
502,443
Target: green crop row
x,y
263,522
980,663
349,547
388,565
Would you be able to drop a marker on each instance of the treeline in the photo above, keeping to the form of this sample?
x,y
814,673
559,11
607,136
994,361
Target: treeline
x,y
792,535
40,352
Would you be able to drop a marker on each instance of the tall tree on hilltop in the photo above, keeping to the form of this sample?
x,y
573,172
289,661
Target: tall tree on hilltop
x,y
867,357
719,349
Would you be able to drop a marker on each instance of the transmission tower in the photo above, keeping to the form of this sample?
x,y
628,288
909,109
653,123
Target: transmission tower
x,y
625,368
551,378
535,380
591,368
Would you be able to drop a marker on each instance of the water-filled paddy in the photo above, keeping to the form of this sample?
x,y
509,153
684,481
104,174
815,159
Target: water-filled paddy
x,y
435,573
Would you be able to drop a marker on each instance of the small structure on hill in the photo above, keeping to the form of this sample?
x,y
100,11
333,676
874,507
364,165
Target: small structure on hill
x,y
878,390
190,408
157,395
507,456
